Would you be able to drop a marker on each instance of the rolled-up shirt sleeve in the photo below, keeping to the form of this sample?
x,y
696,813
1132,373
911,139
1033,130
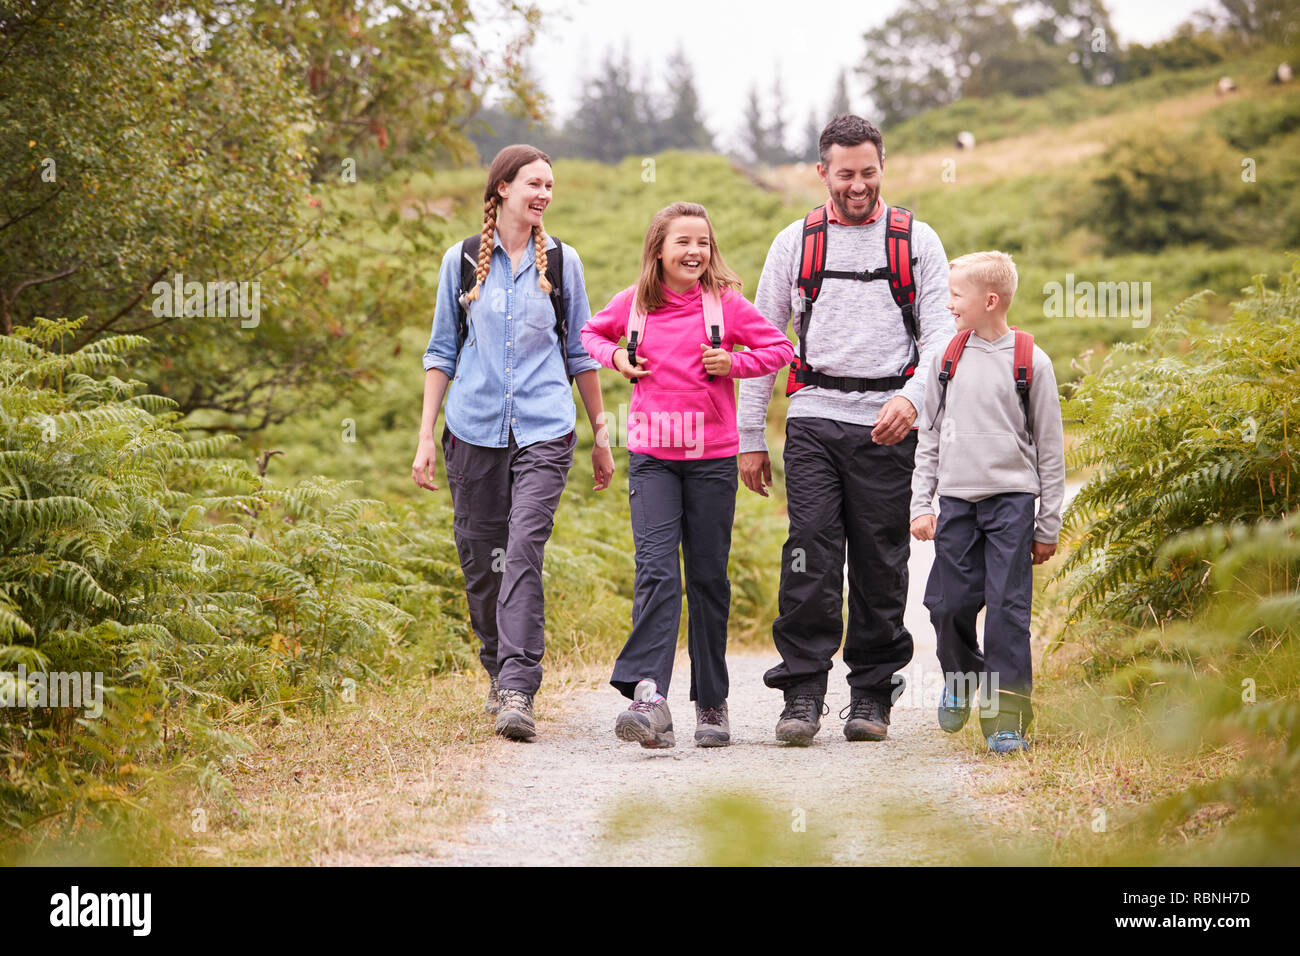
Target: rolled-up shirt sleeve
x,y
578,310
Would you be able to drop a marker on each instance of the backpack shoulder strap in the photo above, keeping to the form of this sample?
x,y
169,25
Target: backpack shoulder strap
x,y
468,266
1022,369
635,328
952,355
715,328
898,255
948,368
812,263
555,275
714,325
812,256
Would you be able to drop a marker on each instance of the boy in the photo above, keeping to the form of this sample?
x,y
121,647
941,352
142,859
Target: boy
x,y
990,444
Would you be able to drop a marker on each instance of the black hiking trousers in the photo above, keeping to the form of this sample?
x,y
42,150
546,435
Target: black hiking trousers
x,y
845,495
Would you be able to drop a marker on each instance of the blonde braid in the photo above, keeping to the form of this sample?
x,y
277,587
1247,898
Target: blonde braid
x,y
485,243
539,254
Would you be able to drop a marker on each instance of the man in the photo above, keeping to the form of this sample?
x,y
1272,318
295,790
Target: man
x,y
849,437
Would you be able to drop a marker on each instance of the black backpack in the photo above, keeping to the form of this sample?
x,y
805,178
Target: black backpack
x,y
554,270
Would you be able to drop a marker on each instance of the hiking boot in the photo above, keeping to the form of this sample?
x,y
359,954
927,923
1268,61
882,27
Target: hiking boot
x,y
1006,742
647,722
868,719
515,718
953,711
493,703
801,719
711,726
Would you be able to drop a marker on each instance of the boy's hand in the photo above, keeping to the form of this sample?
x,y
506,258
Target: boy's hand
x,y
716,361
623,365
923,528
1042,552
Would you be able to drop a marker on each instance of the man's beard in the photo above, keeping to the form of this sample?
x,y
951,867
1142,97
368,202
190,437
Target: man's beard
x,y
841,201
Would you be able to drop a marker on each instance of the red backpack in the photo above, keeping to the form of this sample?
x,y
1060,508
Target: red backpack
x,y
902,286
1022,370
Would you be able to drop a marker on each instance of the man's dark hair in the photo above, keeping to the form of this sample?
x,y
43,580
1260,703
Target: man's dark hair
x,y
849,130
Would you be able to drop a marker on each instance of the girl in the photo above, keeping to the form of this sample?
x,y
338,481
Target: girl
x,y
686,314
510,343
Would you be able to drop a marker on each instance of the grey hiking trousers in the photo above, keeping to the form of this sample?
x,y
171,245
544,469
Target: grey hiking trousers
x,y
504,502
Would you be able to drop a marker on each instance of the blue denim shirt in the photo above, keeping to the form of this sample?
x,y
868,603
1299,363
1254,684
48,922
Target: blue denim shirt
x,y
511,376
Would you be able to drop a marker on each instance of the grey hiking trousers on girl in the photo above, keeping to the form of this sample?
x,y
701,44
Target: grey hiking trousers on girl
x,y
504,502
688,504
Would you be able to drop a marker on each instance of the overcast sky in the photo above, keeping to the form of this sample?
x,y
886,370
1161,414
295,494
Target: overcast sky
x,y
732,45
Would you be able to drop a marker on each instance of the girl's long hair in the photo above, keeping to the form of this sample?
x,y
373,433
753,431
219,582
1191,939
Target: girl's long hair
x,y
505,167
650,286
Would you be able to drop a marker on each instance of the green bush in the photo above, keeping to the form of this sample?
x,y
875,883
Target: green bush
x,y
1195,427
1159,189
1249,124
196,589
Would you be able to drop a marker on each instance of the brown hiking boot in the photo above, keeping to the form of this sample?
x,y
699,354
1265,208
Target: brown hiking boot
x,y
515,718
712,728
647,722
493,703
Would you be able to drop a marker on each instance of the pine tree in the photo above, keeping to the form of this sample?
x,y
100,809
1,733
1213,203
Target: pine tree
x,y
683,127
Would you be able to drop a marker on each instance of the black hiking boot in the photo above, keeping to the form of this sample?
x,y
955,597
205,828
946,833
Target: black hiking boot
x,y
801,719
868,719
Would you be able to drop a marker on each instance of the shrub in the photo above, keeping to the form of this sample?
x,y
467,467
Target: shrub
x,y
1196,428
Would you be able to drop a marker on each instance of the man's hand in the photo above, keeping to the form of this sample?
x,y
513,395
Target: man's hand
x,y
716,361
1042,552
602,464
623,365
426,459
923,528
894,421
756,471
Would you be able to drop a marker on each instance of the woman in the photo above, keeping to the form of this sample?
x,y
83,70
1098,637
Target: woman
x,y
509,435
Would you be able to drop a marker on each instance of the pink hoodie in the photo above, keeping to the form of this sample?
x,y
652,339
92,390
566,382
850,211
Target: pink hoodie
x,y
677,413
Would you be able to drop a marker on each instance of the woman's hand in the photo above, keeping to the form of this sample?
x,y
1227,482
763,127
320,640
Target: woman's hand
x,y
426,460
623,365
716,361
602,465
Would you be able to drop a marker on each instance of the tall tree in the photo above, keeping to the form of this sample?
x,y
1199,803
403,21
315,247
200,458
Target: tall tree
x,y
684,127
611,119
932,52
754,133
840,103
390,76
777,150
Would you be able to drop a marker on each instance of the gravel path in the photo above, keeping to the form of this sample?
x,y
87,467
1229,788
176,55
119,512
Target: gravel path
x,y
578,795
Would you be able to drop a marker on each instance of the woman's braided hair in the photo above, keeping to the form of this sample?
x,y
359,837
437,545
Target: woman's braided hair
x,y
505,167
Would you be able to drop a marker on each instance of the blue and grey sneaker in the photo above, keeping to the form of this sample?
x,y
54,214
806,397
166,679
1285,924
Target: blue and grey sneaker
x,y
953,711
1006,742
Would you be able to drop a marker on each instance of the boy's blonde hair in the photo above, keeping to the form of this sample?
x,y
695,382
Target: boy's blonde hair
x,y
995,271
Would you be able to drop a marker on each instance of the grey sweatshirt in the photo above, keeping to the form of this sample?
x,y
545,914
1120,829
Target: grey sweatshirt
x,y
978,445
856,329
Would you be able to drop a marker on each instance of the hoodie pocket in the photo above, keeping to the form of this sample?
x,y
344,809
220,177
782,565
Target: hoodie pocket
x,y
683,419
985,459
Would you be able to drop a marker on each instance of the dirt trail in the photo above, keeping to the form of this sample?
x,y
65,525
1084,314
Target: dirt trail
x,y
553,801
